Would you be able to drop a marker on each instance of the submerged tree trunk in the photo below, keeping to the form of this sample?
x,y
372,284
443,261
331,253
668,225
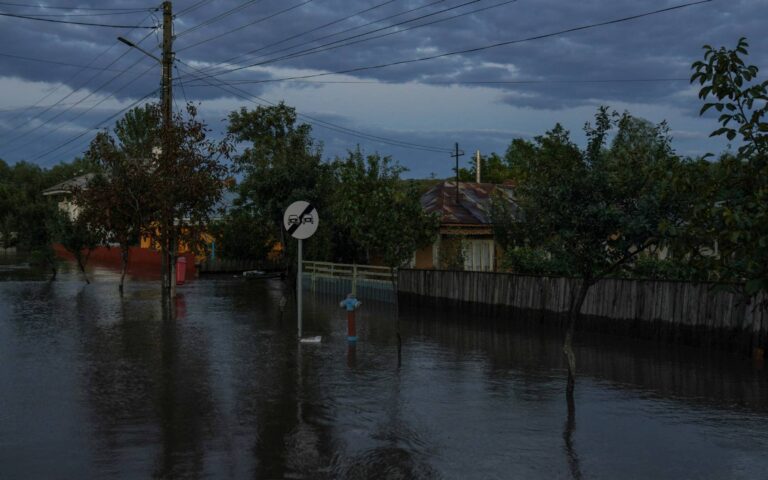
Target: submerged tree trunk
x,y
573,313
124,251
393,278
81,262
570,428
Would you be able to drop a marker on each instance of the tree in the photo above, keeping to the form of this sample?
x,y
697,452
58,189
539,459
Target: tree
x,y
78,236
167,194
187,182
587,213
732,211
280,164
118,200
378,212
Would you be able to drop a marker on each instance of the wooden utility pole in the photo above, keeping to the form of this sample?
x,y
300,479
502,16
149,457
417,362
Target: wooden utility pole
x,y
168,240
457,155
477,166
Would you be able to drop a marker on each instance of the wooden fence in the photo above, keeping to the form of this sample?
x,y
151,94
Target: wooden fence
x,y
679,308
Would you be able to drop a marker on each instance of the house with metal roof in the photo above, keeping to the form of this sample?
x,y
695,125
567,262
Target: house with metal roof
x,y
466,240
64,191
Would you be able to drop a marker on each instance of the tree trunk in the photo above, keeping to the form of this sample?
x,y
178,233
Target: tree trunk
x,y
124,251
172,270
163,263
81,266
570,427
573,312
397,320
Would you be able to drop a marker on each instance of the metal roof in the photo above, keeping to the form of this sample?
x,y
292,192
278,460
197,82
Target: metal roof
x,y
474,205
67,186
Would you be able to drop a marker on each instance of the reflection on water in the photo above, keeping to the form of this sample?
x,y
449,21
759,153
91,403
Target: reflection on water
x,y
215,385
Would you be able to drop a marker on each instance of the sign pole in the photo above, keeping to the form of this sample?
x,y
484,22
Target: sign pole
x,y
300,220
299,288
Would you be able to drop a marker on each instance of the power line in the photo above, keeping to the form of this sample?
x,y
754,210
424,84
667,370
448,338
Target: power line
x,y
183,90
250,53
75,91
68,22
106,14
477,49
54,62
126,85
339,43
486,82
218,17
322,123
79,102
98,125
216,37
193,7
76,74
73,7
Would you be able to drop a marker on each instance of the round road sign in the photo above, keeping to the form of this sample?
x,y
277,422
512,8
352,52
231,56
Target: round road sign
x,y
301,219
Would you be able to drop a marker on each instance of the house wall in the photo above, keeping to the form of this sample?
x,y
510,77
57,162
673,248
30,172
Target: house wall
x,y
423,258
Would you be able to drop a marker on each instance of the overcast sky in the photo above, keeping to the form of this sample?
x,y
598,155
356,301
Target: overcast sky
x,y
638,65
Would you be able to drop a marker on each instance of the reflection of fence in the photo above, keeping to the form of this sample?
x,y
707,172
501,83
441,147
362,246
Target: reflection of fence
x,y
366,281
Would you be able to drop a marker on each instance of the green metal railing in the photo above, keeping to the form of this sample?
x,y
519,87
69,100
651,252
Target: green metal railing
x,y
351,272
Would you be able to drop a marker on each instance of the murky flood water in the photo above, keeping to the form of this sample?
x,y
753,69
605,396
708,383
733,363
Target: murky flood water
x,y
95,386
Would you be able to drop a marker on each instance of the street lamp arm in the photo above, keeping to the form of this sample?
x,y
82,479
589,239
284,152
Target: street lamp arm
x,y
133,45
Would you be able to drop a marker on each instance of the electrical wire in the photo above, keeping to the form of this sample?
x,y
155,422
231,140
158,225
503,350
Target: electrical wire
x,y
192,7
73,92
75,75
339,43
273,15
317,39
73,7
126,85
322,123
218,17
183,90
66,15
477,49
68,22
54,62
489,82
78,103
95,127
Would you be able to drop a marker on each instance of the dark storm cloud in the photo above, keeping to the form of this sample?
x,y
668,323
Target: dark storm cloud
x,y
662,46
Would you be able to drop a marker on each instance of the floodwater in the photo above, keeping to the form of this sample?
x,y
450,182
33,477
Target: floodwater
x,y
95,386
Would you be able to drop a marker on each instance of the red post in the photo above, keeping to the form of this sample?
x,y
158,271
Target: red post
x,y
351,332
181,269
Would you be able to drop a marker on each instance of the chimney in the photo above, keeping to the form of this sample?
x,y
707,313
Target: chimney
x,y
477,166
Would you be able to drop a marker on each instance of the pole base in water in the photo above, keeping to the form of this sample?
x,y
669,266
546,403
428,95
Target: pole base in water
x,y
316,339
351,339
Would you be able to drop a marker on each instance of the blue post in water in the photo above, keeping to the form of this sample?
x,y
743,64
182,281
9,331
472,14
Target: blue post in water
x,y
213,250
350,304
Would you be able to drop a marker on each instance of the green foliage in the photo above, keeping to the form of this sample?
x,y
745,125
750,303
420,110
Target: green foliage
x,y
587,213
534,261
493,169
453,253
280,164
366,209
731,210
376,213
77,236
244,235
118,200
